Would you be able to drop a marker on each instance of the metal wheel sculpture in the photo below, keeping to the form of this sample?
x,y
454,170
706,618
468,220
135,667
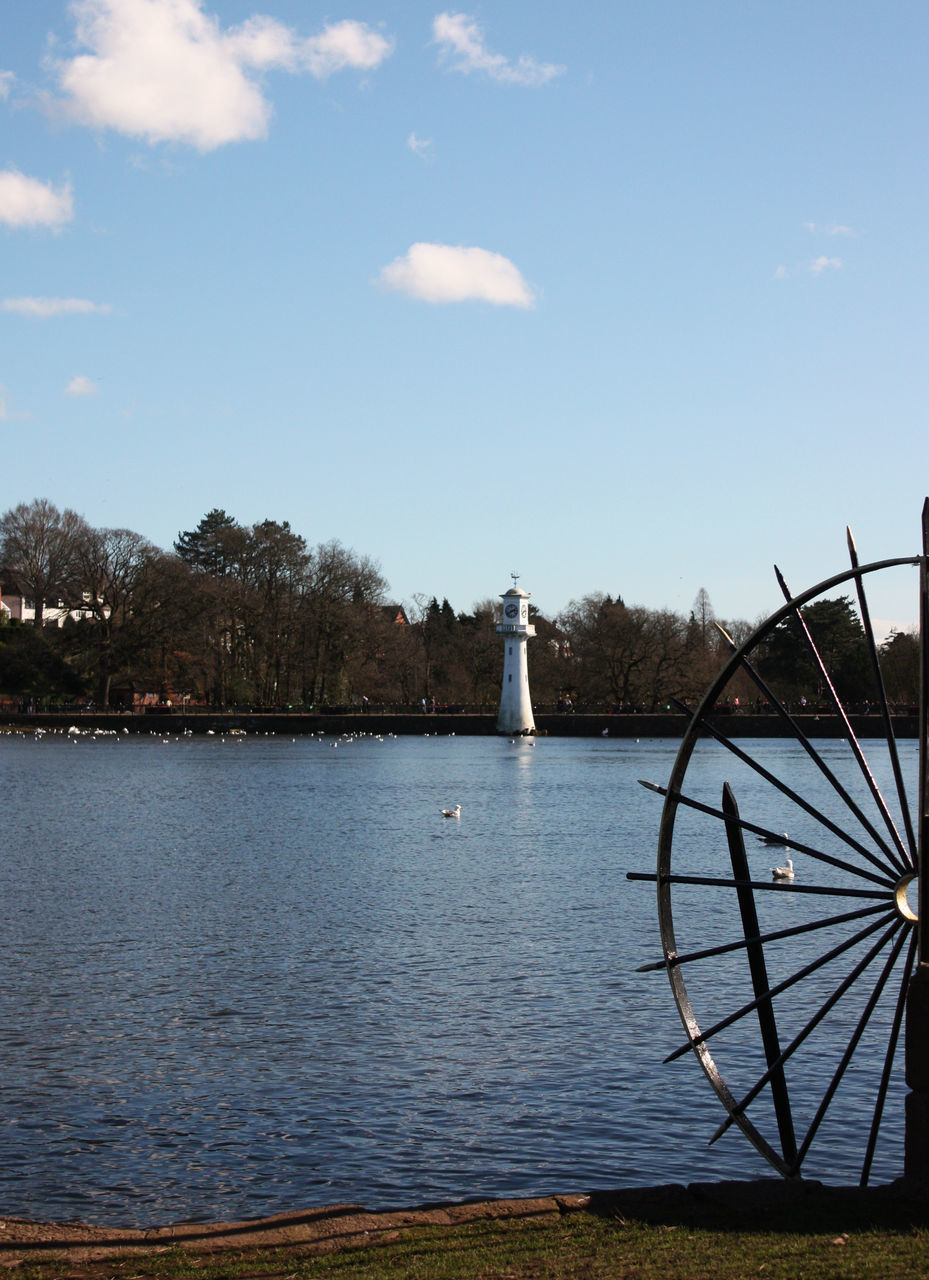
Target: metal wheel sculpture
x,y
800,973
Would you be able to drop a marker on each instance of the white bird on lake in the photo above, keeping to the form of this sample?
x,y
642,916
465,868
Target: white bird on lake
x,y
452,813
784,873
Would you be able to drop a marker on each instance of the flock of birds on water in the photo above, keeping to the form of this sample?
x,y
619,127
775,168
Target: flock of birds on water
x,y
782,873
75,732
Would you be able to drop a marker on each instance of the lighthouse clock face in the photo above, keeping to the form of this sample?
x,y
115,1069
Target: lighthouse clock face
x,y
511,611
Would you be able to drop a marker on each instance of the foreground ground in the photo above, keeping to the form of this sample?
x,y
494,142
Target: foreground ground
x,y
719,1230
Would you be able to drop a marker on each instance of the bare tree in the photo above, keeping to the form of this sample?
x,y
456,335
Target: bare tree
x,y
612,645
340,586
629,656
39,544
110,564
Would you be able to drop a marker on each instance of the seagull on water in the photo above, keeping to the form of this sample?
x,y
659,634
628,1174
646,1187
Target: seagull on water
x,y
452,813
784,873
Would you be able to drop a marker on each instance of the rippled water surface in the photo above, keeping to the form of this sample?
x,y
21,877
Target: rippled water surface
x,y
250,975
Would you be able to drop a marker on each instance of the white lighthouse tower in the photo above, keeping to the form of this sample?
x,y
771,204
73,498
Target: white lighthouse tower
x,y
515,715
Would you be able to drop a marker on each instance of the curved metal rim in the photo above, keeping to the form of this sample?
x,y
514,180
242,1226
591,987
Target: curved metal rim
x,y
665,839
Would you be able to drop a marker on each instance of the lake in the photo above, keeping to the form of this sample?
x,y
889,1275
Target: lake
x,y
247,975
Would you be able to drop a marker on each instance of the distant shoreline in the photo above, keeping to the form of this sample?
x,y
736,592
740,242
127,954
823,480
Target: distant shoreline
x,y
464,724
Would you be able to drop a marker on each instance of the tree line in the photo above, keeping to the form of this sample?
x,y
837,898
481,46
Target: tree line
x,y
253,616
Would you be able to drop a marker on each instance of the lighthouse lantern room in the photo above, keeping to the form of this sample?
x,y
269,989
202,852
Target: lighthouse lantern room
x,y
515,715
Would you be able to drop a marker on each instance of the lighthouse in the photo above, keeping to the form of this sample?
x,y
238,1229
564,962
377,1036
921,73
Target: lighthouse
x,y
515,715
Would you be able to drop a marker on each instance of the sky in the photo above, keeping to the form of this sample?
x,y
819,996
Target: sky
x,y
623,297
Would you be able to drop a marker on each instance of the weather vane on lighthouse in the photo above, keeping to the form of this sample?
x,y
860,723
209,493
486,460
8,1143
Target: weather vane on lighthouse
x,y
515,714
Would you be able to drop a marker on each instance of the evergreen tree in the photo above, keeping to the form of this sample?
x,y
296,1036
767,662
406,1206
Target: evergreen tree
x,y
838,635
216,546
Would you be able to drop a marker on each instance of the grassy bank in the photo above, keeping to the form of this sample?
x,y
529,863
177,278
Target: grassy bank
x,y
769,1229
585,1250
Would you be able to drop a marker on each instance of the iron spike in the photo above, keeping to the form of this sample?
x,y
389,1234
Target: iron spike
x,y
814,756
902,858
887,721
726,1124
759,974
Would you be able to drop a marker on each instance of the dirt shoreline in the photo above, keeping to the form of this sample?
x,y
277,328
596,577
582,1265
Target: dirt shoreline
x,y
766,1204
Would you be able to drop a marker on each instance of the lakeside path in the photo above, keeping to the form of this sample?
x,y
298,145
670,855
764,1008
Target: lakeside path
x,y
769,1206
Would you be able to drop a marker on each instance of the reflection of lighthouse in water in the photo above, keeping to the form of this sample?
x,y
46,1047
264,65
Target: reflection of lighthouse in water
x,y
515,715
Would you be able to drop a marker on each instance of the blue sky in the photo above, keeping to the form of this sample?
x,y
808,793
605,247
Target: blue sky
x,y
626,297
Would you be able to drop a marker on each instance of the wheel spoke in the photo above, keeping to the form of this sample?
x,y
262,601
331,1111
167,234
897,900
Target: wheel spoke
x,y
817,760
778,935
882,697
805,972
888,1061
776,886
906,860
851,1047
889,876
811,1025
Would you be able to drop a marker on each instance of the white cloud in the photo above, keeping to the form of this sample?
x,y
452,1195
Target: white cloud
x,y
781,273
27,202
822,263
448,273
6,83
80,386
264,43
345,44
419,146
42,308
462,40
834,229
165,70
